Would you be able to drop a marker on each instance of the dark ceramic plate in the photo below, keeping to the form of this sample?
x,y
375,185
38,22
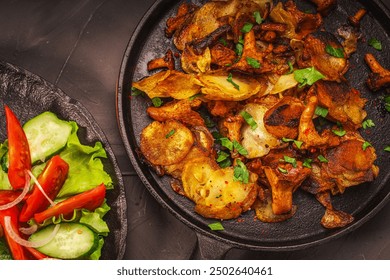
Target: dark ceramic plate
x,y
29,95
304,229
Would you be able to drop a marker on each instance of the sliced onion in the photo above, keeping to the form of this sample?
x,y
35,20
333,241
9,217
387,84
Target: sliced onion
x,y
21,196
26,243
40,188
29,230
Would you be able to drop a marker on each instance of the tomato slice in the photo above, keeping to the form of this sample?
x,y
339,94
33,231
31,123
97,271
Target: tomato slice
x,y
17,250
18,151
51,180
89,200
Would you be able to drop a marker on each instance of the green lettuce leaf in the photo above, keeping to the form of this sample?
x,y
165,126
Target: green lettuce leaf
x,y
86,170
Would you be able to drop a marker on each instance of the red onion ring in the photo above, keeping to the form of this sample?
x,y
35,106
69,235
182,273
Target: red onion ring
x,y
21,196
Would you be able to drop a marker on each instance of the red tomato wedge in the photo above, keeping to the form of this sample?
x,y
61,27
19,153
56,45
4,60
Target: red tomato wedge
x,y
18,151
51,180
88,200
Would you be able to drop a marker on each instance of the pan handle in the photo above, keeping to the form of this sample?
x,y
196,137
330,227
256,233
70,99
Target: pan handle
x,y
209,248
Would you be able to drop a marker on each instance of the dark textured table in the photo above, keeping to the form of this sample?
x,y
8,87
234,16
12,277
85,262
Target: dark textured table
x,y
78,45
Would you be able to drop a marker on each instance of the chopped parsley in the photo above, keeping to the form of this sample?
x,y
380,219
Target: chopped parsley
x,y
170,133
322,112
307,162
336,52
257,17
230,80
249,119
341,132
247,27
368,123
225,142
240,149
296,142
136,92
366,145
387,149
375,43
291,67
223,159
241,173
307,76
216,226
253,62
321,158
223,41
282,170
387,103
290,160
157,102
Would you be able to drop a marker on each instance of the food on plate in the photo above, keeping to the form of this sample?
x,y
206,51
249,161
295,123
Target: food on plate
x,y
52,192
259,106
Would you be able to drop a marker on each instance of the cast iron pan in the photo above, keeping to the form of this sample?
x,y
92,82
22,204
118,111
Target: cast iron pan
x,y
29,95
304,229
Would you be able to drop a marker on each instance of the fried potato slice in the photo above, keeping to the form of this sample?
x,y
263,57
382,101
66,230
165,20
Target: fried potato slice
x,y
166,143
170,83
214,190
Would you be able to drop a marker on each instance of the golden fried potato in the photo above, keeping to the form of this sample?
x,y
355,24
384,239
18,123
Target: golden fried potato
x,y
166,143
170,83
214,190
203,147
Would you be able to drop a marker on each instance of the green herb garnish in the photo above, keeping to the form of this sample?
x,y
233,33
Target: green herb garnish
x,y
322,112
170,133
387,149
223,159
240,149
253,62
296,142
307,162
368,123
157,102
223,41
241,173
247,27
366,145
216,226
290,160
191,98
249,119
225,142
321,158
230,80
375,43
307,76
136,92
341,132
257,17
282,170
336,52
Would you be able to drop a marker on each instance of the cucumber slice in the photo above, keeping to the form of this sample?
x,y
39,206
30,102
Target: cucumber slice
x,y
72,241
46,135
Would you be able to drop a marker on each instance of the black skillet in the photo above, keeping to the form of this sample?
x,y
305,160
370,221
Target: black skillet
x,y
304,229
29,95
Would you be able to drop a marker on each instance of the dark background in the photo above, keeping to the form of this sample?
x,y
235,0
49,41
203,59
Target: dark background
x,y
78,45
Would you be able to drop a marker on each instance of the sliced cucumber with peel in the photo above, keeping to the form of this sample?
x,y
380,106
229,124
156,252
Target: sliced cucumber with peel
x,y
72,241
46,135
